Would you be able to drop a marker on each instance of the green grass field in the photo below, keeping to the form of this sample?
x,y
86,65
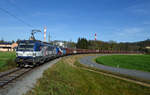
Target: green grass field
x,y
7,60
66,78
136,62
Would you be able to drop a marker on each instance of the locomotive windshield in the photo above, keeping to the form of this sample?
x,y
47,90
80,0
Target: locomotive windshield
x,y
26,46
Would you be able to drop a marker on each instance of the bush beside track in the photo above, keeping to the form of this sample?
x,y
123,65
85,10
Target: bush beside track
x,y
67,78
136,62
7,60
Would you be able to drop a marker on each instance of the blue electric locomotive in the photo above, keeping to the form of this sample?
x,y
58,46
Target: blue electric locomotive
x,y
30,53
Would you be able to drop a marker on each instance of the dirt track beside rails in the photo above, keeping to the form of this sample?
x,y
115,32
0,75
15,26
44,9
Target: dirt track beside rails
x,y
27,81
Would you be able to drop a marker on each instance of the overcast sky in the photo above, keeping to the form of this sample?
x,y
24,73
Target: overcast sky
x,y
118,20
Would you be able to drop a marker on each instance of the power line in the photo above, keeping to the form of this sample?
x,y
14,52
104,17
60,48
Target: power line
x,y
15,6
17,18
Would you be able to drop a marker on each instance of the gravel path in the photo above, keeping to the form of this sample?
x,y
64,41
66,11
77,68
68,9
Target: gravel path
x,y
132,73
27,81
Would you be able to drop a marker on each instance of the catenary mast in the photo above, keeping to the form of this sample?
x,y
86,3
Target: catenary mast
x,y
45,33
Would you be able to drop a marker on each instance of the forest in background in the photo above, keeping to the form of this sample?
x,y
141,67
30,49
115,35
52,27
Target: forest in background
x,y
83,43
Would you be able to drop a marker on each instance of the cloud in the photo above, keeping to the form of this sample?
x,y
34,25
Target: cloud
x,y
52,14
41,14
130,31
140,11
142,8
13,1
146,22
131,34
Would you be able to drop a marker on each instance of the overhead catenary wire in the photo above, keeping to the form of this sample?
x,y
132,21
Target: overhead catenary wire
x,y
17,18
11,3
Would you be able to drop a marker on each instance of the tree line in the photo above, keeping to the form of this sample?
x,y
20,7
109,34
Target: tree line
x,y
83,43
3,41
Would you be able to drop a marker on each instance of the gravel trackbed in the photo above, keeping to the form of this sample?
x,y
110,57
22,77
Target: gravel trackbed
x,y
27,81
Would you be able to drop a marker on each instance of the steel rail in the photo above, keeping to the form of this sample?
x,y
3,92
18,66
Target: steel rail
x,y
12,75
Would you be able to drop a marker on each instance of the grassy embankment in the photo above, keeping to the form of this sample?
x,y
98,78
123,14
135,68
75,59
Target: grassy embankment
x,y
136,62
67,78
7,60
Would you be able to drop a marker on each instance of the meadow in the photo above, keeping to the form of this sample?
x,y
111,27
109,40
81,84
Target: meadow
x,y
67,78
135,62
7,60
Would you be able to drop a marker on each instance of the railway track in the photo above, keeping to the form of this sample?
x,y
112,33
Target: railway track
x,y
11,75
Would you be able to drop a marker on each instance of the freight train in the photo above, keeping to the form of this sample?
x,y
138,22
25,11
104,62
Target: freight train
x,y
30,53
